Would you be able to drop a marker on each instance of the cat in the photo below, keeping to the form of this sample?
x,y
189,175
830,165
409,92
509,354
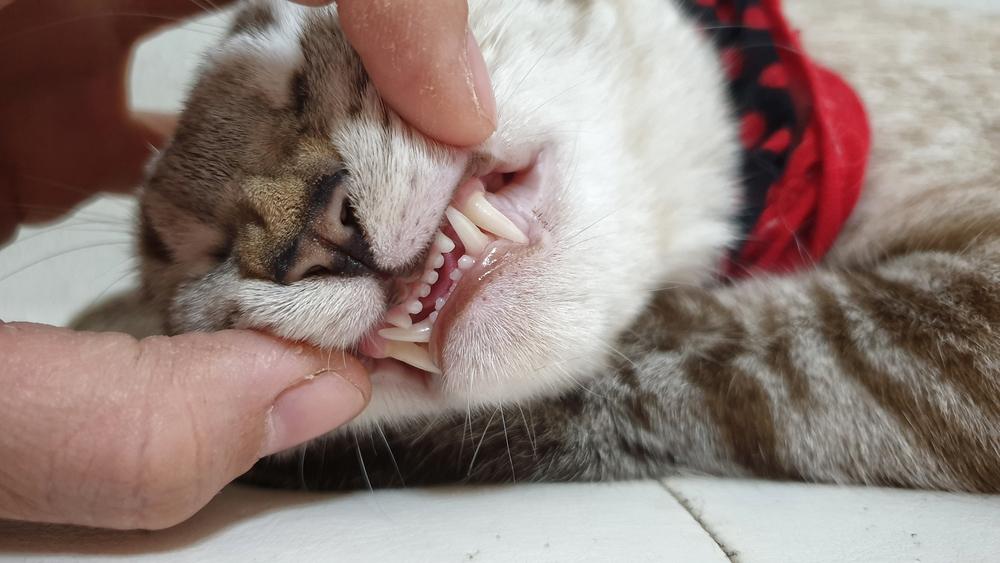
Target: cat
x,y
548,306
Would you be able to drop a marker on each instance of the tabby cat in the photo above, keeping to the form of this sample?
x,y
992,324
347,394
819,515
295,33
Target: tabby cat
x,y
549,305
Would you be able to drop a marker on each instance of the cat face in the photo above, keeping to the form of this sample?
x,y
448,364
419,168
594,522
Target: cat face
x,y
293,201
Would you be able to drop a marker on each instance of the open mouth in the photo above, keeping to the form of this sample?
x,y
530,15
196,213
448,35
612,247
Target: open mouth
x,y
488,215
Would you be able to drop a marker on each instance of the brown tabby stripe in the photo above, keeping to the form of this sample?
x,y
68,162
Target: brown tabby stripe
x,y
778,355
747,424
938,434
895,304
151,245
959,234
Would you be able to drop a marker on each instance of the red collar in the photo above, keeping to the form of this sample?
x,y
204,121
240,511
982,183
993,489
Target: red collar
x,y
805,134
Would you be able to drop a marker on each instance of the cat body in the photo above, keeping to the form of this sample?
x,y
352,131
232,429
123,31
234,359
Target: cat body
x,y
604,347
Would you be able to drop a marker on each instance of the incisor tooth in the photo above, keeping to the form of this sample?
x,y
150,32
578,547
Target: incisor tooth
x,y
398,317
413,307
410,353
444,244
420,332
473,239
481,212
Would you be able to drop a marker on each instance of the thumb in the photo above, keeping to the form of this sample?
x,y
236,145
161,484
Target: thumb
x,y
142,434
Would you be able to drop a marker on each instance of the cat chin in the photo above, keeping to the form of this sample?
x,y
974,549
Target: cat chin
x,y
400,398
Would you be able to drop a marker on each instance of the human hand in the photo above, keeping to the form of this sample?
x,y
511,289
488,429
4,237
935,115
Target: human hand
x,y
103,430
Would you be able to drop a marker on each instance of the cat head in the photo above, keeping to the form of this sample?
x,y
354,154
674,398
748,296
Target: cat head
x,y
292,200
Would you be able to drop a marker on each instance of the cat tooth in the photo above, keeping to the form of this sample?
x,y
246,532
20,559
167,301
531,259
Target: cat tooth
x,y
414,307
472,238
410,353
443,243
430,278
424,290
398,317
439,303
481,212
433,317
420,332
455,275
466,262
437,261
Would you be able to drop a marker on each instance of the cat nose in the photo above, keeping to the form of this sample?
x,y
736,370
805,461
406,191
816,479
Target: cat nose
x,y
336,244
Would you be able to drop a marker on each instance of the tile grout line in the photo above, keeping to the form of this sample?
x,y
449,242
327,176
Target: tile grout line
x,y
730,554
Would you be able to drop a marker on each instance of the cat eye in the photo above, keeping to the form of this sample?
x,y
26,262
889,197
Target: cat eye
x,y
317,272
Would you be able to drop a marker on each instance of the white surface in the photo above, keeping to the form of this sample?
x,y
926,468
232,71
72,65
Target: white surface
x,y
619,522
49,274
773,522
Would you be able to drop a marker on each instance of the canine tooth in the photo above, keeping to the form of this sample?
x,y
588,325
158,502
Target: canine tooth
x,y
439,303
410,353
455,275
444,244
420,332
424,290
398,317
472,238
481,212
437,262
413,307
430,277
466,262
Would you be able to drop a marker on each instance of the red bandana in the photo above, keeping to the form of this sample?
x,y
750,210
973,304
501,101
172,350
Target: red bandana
x,y
805,136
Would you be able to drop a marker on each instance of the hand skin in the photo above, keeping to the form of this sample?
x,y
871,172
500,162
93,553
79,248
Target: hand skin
x,y
108,431
104,430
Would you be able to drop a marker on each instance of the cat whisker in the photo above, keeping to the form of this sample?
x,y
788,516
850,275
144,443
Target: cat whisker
x,y
31,265
482,438
85,17
392,457
303,485
66,227
361,463
506,439
130,271
529,429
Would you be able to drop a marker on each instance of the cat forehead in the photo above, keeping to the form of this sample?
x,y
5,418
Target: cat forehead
x,y
291,54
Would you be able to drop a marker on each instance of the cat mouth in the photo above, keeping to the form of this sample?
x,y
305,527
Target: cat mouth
x,y
489,219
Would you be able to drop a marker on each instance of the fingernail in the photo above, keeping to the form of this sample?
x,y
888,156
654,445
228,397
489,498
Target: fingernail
x,y
485,101
310,409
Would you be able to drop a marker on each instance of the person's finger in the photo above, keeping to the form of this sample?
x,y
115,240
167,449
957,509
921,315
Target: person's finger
x,y
425,64
141,434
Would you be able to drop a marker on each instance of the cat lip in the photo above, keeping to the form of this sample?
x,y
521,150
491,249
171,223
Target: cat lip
x,y
490,216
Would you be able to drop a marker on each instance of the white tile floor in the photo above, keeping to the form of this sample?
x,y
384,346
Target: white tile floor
x,y
49,274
